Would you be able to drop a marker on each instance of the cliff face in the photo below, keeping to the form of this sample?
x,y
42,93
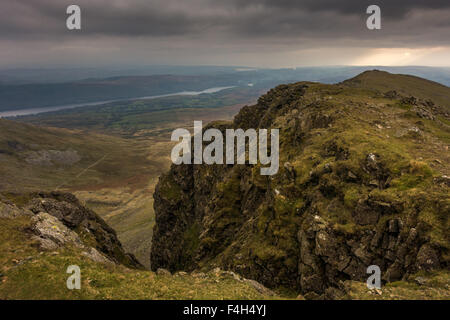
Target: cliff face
x,y
363,181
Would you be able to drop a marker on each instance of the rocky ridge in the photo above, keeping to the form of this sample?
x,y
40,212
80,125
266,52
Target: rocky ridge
x,y
360,184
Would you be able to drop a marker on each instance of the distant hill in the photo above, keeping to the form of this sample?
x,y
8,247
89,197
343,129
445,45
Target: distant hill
x,y
404,84
43,92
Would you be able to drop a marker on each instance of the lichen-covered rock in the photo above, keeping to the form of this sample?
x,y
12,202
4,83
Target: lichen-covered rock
x,y
259,287
52,157
53,232
56,210
96,256
55,224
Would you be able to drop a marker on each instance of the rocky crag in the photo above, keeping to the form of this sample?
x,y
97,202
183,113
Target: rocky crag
x,y
59,220
363,180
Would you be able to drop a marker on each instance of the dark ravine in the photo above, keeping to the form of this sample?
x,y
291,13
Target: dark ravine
x,y
358,185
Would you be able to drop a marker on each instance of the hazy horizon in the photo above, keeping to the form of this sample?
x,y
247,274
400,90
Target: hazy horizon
x,y
231,66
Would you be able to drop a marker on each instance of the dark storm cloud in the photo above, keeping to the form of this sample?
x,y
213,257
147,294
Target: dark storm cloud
x,y
330,17
200,29
45,19
391,8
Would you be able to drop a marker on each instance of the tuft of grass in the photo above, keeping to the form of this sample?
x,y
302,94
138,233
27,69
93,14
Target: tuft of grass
x,y
435,287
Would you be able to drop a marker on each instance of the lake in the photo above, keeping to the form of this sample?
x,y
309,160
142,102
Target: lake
x,y
25,112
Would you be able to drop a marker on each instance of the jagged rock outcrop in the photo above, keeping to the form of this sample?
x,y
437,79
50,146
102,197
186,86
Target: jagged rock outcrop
x,y
349,194
59,220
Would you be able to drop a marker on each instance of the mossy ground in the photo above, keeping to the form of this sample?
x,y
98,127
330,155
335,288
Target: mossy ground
x,y
27,273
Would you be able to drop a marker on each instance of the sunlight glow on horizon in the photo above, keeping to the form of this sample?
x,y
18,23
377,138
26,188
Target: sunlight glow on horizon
x,y
404,57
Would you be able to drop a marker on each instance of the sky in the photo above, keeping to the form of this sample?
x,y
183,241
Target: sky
x,y
257,33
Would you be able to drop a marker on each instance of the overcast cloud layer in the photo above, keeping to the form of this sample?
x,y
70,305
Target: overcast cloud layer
x,y
233,32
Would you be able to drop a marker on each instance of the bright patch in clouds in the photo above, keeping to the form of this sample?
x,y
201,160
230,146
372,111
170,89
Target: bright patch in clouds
x,y
404,56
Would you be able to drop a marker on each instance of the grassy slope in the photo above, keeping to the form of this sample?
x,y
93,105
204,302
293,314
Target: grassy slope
x,y
434,286
26,273
121,159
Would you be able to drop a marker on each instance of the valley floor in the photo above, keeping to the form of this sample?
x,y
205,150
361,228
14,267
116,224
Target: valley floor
x,y
112,171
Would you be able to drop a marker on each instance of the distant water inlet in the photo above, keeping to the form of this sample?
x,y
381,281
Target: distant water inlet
x,y
31,111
